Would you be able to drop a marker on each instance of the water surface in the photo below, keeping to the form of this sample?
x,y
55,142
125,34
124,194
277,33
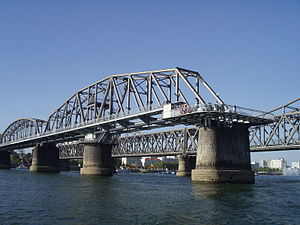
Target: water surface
x,y
68,198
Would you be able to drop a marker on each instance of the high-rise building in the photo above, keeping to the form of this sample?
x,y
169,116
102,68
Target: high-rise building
x,y
296,165
263,163
254,165
132,161
278,163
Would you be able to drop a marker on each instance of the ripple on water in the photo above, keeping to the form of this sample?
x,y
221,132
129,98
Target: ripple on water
x,y
68,198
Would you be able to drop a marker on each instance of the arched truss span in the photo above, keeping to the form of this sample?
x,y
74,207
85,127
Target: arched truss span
x,y
23,128
123,94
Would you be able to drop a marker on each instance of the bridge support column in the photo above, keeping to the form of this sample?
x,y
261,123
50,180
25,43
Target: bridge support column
x,y
4,160
97,159
182,166
185,165
223,155
45,158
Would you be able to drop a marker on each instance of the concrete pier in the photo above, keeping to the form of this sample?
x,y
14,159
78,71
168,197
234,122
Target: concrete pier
x,y
223,155
45,158
4,160
185,165
182,170
97,159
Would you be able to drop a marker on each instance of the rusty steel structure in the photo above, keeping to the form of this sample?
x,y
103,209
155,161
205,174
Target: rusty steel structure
x,y
131,102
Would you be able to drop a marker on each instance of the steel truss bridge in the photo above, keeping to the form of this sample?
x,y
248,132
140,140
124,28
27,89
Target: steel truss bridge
x,y
127,103
282,134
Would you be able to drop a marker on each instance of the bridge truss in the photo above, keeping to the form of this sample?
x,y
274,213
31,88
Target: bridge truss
x,y
132,102
118,104
282,134
22,129
163,143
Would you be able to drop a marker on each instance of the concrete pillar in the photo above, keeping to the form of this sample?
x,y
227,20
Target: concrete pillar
x,y
96,159
64,165
223,155
182,166
4,160
185,165
45,158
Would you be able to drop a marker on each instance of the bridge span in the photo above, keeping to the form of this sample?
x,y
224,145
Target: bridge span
x,y
281,135
100,113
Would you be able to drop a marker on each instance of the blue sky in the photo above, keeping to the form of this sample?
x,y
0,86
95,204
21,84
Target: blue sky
x,y
248,51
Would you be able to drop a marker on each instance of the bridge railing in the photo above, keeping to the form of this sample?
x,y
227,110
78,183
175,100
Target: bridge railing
x,y
275,142
183,109
179,109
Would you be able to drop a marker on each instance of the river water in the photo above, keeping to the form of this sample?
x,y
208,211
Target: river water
x,y
68,198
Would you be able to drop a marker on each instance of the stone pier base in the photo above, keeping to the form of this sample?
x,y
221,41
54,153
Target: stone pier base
x,y
223,176
223,155
181,172
45,158
4,160
97,159
185,165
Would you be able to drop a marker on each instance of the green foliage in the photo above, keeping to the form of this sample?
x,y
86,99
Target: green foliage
x,y
27,157
269,170
15,158
166,165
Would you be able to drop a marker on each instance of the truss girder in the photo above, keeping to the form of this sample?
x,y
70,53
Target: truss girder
x,y
124,94
131,102
22,129
174,142
283,133
70,150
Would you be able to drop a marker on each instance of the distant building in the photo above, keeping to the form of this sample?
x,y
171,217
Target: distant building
x,y
149,162
132,161
277,163
254,165
263,164
296,165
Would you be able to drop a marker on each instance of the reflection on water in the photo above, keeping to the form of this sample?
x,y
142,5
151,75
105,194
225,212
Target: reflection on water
x,y
221,190
68,198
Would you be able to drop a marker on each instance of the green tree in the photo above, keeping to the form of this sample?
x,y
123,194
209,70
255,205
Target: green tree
x,y
166,165
27,157
15,158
